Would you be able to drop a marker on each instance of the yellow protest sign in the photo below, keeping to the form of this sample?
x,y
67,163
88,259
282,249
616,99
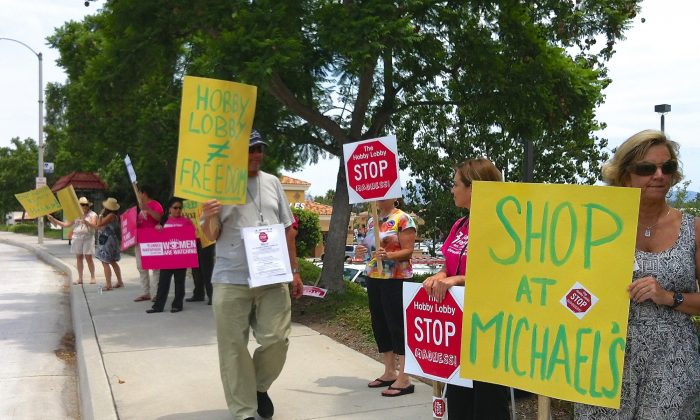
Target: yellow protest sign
x,y
38,202
545,306
193,211
69,203
216,118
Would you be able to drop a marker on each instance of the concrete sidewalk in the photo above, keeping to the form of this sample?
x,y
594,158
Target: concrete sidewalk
x,y
134,365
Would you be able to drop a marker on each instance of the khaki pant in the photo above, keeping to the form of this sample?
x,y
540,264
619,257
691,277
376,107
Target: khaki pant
x,y
267,311
149,284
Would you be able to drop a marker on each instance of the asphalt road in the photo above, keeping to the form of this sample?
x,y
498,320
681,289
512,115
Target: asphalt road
x,y
37,371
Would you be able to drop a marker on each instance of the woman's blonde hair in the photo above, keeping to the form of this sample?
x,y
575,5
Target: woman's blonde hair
x,y
617,170
478,169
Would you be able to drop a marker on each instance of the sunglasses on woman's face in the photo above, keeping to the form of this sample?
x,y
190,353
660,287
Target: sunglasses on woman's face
x,y
649,168
84,205
176,208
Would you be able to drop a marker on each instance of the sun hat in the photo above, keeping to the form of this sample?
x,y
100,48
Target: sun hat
x,y
84,200
255,139
111,204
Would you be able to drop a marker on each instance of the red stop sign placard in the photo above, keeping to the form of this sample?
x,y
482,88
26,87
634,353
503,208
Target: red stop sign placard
x,y
578,300
433,333
371,169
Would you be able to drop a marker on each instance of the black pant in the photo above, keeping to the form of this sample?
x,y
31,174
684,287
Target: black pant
x,y
164,288
202,275
386,310
483,401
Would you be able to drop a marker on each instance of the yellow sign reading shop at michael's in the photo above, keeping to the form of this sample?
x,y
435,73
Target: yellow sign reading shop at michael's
x,y
546,305
216,118
38,202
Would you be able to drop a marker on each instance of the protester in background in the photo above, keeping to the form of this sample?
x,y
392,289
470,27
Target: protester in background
x,y
108,242
397,234
205,254
172,220
484,400
238,308
83,242
661,376
149,216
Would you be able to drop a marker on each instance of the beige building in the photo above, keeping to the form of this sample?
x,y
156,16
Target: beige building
x,y
295,190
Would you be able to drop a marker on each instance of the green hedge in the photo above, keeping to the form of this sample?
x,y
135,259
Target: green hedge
x,y
28,229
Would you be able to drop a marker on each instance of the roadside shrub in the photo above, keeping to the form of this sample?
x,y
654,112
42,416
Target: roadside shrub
x,y
309,272
4,228
27,229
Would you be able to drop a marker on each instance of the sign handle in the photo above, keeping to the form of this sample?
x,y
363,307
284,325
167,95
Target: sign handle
x,y
136,191
544,407
438,389
375,216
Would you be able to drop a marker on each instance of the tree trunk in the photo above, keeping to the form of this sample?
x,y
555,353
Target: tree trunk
x,y
334,254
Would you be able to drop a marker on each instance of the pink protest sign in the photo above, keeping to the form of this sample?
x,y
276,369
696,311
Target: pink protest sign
x,y
128,221
169,248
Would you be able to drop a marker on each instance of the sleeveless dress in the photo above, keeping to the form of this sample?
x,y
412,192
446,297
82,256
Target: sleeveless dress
x,y
661,378
110,250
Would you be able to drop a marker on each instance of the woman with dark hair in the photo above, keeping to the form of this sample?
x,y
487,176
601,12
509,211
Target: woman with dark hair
x,y
108,241
661,376
483,400
174,218
397,235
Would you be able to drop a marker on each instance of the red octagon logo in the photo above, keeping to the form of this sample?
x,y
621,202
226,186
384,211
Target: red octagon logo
x,y
578,300
433,334
372,170
262,236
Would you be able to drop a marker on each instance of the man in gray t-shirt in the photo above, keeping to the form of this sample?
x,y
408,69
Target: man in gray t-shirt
x,y
237,307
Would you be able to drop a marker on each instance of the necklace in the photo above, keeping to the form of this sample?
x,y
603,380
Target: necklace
x,y
647,230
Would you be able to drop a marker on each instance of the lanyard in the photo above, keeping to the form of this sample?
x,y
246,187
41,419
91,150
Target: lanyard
x,y
257,205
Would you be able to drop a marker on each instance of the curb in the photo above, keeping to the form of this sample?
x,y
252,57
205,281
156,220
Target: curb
x,y
96,399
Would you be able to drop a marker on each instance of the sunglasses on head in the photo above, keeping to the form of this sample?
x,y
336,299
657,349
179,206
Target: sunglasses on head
x,y
648,168
258,148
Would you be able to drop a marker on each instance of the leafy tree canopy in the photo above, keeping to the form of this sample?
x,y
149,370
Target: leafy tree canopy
x,y
452,79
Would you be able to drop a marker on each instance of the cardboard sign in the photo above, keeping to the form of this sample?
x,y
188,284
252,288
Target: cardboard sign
x,y
372,169
314,291
546,304
69,203
169,248
432,334
39,202
216,118
128,224
193,211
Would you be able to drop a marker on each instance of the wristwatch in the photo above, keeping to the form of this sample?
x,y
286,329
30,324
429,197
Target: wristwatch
x,y
295,270
677,299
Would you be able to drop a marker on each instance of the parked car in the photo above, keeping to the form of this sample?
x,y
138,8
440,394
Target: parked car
x,y
349,253
353,274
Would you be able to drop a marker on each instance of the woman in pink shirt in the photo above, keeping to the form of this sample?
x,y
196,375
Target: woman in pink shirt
x,y
484,400
173,219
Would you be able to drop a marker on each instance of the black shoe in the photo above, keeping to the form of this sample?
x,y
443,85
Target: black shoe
x,y
265,407
194,299
152,311
176,310
249,418
209,303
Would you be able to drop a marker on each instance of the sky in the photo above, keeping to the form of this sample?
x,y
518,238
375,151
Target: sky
x,y
658,63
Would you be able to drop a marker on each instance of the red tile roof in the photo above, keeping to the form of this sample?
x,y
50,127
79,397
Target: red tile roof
x,y
284,179
318,208
80,181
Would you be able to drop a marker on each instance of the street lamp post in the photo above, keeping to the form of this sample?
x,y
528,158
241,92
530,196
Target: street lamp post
x,y
40,222
662,109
